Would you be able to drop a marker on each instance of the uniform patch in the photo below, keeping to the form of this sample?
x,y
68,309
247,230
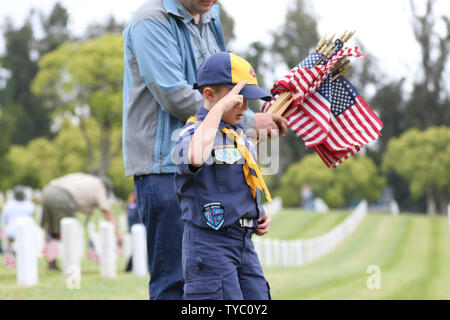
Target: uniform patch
x,y
228,155
214,214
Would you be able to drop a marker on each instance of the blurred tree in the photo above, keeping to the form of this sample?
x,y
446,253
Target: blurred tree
x,y
85,80
423,159
354,180
34,164
428,104
389,103
17,102
298,35
42,160
291,44
256,55
55,28
366,73
227,25
96,30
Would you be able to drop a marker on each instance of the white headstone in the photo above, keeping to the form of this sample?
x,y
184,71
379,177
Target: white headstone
x,y
40,240
108,251
70,240
81,241
320,206
258,247
139,250
298,252
27,267
276,252
284,253
123,224
448,213
393,206
268,259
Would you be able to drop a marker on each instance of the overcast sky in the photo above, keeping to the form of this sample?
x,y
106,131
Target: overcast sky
x,y
383,26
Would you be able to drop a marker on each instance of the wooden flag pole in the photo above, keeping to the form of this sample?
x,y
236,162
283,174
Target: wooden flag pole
x,y
325,47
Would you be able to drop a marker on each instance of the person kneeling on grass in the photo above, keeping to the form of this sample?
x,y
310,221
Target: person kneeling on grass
x,y
219,185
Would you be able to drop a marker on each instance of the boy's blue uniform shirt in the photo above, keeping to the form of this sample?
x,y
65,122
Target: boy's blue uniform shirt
x,y
218,187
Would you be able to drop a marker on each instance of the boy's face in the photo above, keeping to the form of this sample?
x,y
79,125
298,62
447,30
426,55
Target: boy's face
x,y
234,115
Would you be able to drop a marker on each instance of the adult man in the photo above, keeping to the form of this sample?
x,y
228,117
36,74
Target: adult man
x,y
165,42
76,192
13,210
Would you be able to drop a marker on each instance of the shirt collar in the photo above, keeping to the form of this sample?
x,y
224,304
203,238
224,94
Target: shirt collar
x,y
188,18
202,112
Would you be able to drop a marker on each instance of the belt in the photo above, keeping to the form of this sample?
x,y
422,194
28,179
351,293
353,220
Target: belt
x,y
247,223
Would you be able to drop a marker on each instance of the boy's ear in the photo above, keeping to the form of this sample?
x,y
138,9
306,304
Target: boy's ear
x,y
208,93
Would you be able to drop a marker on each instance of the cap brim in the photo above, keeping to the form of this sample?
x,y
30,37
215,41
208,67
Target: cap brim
x,y
251,91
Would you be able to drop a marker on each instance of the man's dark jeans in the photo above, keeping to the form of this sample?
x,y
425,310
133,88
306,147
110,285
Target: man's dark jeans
x,y
160,212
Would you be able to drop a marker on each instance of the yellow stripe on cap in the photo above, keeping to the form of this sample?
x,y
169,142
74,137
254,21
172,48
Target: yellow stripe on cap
x,y
241,70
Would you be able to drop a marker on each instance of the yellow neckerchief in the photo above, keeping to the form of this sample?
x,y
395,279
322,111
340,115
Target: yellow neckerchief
x,y
254,182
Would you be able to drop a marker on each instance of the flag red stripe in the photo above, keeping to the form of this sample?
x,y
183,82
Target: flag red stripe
x,y
368,125
336,130
374,118
355,132
361,124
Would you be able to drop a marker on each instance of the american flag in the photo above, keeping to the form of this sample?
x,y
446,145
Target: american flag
x,y
92,253
9,260
50,251
330,117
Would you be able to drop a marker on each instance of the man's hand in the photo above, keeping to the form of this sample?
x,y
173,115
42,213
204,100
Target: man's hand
x,y
268,122
263,225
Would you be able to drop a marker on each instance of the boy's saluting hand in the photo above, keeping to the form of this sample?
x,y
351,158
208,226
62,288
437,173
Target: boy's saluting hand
x,y
232,99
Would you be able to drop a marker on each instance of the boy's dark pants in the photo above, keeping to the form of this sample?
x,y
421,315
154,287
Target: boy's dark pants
x,y
222,265
160,212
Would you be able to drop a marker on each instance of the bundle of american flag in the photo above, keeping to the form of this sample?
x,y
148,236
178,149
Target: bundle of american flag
x,y
322,107
9,260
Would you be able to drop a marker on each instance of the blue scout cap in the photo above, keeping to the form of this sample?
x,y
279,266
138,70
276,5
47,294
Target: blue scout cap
x,y
229,69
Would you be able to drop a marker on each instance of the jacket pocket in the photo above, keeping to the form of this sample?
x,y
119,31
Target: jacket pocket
x,y
204,289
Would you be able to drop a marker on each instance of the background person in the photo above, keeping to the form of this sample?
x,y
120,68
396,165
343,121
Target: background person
x,y
14,209
133,218
308,197
67,195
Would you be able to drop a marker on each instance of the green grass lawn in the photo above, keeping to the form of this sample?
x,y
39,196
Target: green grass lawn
x,y
412,252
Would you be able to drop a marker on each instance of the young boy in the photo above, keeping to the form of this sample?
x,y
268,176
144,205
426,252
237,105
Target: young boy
x,y
219,187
